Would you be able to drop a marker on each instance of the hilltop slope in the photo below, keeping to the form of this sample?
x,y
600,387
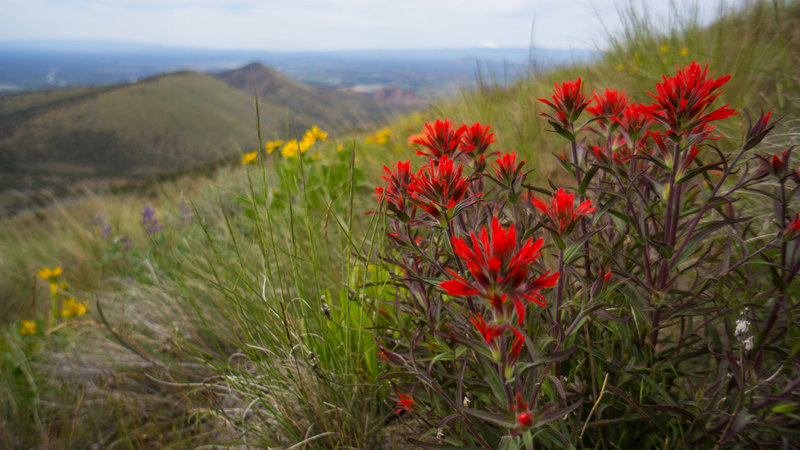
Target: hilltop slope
x,y
323,106
162,123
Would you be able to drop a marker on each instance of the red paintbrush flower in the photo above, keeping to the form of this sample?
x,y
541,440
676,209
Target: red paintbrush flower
x,y
489,332
568,99
562,212
439,188
779,165
568,103
406,403
440,139
633,121
611,104
477,139
525,419
506,169
500,269
395,192
682,102
516,347
756,131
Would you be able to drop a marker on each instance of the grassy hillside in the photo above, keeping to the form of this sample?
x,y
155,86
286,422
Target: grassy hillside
x,y
251,317
324,106
158,124
94,136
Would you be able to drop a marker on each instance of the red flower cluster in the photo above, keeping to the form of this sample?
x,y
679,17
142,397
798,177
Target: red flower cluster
x,y
611,104
500,270
397,182
489,332
439,187
569,101
440,140
476,141
506,169
406,403
682,102
524,418
633,121
562,212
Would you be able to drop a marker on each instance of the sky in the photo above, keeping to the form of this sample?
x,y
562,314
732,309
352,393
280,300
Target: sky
x,y
319,25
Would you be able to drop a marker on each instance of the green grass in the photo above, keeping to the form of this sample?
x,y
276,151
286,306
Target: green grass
x,y
208,326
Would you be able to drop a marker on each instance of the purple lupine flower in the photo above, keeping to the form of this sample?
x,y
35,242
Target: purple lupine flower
x,y
149,220
105,230
100,222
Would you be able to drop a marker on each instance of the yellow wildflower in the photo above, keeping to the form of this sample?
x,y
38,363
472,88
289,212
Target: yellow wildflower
x,y
315,134
53,288
48,273
290,149
28,327
339,148
72,307
249,157
306,142
684,51
664,48
294,147
271,146
620,67
381,137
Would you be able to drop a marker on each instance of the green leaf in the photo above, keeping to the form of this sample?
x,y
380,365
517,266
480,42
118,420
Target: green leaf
x,y
553,415
527,438
701,234
784,408
604,209
587,178
498,419
495,383
742,419
694,172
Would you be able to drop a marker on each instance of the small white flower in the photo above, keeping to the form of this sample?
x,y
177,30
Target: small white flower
x,y
742,327
748,343
742,331
440,435
467,400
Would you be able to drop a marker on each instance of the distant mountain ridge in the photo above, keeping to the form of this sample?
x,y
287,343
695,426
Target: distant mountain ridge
x,y
56,138
322,106
47,64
